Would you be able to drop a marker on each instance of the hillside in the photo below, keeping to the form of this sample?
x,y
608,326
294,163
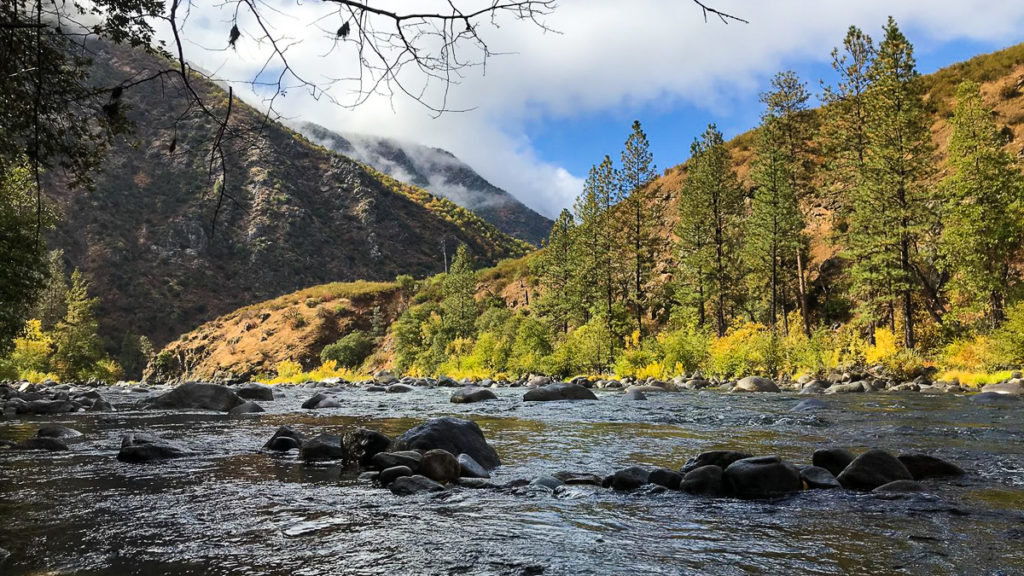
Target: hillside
x,y
439,172
294,214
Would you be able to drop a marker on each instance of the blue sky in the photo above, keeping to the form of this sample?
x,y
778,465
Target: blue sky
x,y
554,103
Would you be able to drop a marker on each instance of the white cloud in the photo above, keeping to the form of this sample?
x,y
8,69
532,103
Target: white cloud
x,y
609,55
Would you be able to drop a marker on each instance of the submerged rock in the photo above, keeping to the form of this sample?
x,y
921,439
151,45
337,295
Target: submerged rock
x,y
634,395
762,477
284,439
558,391
873,469
46,443
399,389
899,487
410,485
579,478
1013,387
810,405
195,396
248,407
453,435
57,431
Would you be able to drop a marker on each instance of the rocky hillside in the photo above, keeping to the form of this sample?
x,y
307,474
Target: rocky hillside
x,y
253,340
441,173
293,214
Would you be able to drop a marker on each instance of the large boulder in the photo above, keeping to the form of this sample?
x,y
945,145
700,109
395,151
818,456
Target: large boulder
x,y
141,448
255,391
558,391
835,460
873,469
196,396
454,435
284,439
363,444
471,394
440,466
720,458
762,477
703,481
755,384
322,447
922,466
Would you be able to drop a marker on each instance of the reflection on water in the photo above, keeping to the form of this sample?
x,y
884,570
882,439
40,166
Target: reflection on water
x,y
234,510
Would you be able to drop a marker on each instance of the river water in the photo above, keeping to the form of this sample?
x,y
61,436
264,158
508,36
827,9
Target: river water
x,y
233,510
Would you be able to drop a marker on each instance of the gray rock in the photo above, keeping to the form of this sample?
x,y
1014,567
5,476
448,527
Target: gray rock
x,y
399,389
248,407
195,396
850,388
663,477
922,466
818,478
440,466
720,458
322,447
629,478
57,431
809,405
994,398
408,458
363,444
410,485
835,460
475,483
634,395
284,439
314,401
48,407
469,468
389,475
755,384
255,391
579,478
472,394
762,477
369,476
704,481
1012,387
558,391
141,448
549,482
873,469
814,387
453,435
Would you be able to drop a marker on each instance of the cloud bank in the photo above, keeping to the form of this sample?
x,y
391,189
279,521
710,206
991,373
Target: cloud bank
x,y
607,56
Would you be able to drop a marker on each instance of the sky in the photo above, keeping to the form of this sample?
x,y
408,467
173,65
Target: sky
x,y
551,103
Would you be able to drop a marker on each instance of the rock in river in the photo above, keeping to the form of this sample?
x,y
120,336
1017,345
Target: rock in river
x,y
284,439
703,481
667,478
558,391
922,466
818,478
629,479
755,384
57,431
835,460
255,391
762,477
471,394
1012,387
139,448
469,468
720,458
389,475
899,487
51,444
247,407
408,458
440,466
363,444
409,485
873,469
454,435
196,396
322,447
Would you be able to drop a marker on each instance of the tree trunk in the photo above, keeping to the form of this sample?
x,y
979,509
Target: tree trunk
x,y
908,305
802,288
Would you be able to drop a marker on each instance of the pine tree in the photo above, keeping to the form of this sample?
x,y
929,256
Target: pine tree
x,y
892,208
556,269
459,287
775,228
590,244
710,207
51,306
983,213
639,217
77,346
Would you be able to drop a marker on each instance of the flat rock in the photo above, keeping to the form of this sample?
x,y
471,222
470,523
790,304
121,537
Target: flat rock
x,y
57,431
579,478
195,396
558,391
399,389
720,458
247,407
809,405
410,485
1012,387
408,458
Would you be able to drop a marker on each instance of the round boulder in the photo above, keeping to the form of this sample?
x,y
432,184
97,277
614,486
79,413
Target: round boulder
x,y
922,466
57,431
469,468
755,384
835,460
703,481
452,435
284,439
440,466
255,391
762,477
247,407
629,479
873,469
472,394
195,396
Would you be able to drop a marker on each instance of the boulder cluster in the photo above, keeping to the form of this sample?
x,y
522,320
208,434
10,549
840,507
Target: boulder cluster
x,y
49,398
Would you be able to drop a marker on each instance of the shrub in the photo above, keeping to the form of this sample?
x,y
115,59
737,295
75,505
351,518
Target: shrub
x,y
295,319
684,350
745,350
350,351
639,359
312,302
1008,340
889,352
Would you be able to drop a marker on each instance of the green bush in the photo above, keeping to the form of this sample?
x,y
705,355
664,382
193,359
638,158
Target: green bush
x,y
1008,340
350,351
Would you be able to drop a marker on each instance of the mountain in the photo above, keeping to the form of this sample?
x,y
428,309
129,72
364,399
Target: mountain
x,y
165,251
441,173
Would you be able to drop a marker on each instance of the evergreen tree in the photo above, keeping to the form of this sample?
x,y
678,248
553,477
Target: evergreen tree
x,y
710,208
983,217
556,268
640,215
77,346
459,287
775,227
51,305
591,243
892,210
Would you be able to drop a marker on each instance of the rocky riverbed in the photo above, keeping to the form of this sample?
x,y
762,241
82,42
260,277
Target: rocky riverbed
x,y
583,480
